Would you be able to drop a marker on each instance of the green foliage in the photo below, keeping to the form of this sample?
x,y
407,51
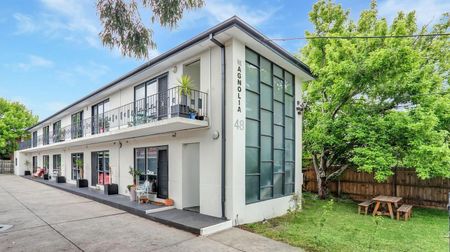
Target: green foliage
x,y
123,27
377,103
14,119
134,172
327,209
347,231
185,84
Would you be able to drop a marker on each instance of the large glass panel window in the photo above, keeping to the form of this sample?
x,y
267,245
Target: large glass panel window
x,y
57,135
46,163
46,133
57,165
270,130
148,163
77,125
100,119
77,166
35,139
102,168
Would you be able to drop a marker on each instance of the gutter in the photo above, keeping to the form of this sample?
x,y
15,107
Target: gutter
x,y
223,156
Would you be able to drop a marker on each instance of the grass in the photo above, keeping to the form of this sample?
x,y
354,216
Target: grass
x,y
317,228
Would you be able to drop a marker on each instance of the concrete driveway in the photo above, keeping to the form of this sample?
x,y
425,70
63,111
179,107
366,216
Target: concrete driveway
x,y
48,219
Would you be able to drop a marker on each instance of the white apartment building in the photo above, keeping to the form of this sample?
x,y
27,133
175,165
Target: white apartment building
x,y
231,148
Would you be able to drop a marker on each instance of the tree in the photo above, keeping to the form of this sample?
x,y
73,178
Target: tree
x,y
124,28
14,119
376,104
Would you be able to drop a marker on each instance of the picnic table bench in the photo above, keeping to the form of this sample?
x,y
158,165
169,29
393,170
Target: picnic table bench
x,y
388,201
406,210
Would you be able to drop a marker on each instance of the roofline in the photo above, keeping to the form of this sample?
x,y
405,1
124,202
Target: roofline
x,y
225,25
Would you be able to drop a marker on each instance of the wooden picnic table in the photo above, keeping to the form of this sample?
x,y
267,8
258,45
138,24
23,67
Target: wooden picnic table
x,y
386,200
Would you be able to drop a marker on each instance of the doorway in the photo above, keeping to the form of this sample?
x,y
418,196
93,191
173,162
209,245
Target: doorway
x,y
191,176
162,97
100,174
34,164
153,164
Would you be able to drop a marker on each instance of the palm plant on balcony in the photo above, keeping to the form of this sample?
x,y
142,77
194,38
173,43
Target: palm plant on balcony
x,y
184,90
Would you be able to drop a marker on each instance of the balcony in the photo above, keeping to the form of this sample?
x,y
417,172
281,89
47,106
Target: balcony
x,y
158,113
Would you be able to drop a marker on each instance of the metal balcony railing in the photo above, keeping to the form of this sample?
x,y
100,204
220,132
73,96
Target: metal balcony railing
x,y
156,107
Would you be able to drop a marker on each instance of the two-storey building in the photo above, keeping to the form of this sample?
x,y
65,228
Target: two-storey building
x,y
231,147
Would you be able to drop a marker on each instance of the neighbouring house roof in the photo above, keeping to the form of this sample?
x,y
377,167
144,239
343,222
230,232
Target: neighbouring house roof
x,y
225,25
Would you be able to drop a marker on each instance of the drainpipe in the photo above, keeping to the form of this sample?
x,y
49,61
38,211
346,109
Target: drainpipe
x,y
222,48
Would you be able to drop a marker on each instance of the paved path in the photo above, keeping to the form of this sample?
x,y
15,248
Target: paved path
x,y
48,219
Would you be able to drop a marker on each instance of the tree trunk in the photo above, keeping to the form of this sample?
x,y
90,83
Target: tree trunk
x,y
322,183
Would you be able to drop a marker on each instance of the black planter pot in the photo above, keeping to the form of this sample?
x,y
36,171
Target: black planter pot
x,y
27,173
60,179
46,176
111,189
82,183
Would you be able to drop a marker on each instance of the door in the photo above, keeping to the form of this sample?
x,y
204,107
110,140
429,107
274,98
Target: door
x,y
163,174
162,97
34,164
191,176
94,171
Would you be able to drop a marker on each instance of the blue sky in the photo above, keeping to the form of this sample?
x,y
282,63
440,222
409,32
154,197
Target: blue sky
x,y
51,54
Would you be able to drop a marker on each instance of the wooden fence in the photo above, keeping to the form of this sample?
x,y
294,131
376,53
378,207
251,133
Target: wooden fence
x,y
6,167
360,186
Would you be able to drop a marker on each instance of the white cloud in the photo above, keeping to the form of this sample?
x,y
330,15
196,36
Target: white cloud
x,y
427,11
221,10
70,20
33,61
216,11
25,24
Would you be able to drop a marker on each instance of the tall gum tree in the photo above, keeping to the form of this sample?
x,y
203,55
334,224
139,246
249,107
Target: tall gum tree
x,y
376,104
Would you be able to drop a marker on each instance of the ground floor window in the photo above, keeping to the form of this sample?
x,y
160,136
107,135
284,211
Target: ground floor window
x,y
152,162
100,168
57,165
77,166
46,163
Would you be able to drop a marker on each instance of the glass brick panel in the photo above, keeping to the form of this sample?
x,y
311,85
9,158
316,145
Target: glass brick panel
x,y
278,160
251,160
266,97
289,105
278,113
289,128
278,137
266,174
266,71
289,82
289,150
266,123
266,148
277,71
251,56
252,105
252,134
278,91
251,188
251,77
278,185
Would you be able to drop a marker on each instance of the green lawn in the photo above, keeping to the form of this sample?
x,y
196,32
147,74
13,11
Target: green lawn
x,y
344,230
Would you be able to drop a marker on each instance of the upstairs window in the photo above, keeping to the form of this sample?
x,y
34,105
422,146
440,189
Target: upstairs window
x,y
77,125
46,133
35,139
57,135
100,117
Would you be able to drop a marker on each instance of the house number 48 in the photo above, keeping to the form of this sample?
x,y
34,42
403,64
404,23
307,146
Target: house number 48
x,y
239,124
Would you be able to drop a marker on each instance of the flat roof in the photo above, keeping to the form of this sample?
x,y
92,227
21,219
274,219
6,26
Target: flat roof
x,y
234,21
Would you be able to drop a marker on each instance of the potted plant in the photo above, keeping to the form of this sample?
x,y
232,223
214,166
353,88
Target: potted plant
x,y
192,113
184,90
132,188
110,188
27,171
81,182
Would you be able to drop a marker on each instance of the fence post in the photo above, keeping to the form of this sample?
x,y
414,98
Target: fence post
x,y
394,182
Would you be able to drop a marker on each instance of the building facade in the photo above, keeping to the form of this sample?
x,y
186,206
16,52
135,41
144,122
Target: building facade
x,y
230,147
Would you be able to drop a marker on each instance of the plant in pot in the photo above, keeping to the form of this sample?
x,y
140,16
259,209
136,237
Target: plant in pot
x,y
135,173
81,182
192,113
184,90
27,171
110,188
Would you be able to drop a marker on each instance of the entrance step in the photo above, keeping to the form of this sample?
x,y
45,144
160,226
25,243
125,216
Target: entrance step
x,y
193,222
